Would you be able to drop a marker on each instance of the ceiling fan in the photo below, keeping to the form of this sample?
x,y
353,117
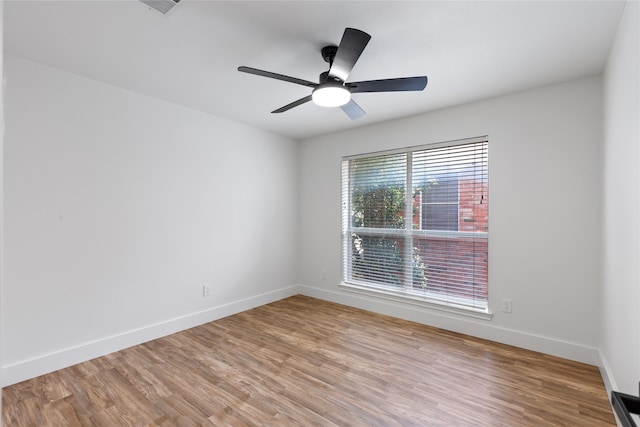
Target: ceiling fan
x,y
333,90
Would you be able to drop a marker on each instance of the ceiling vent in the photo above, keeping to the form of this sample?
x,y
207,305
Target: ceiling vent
x,y
161,6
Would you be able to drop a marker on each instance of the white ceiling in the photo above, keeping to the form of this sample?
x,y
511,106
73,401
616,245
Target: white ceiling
x,y
469,50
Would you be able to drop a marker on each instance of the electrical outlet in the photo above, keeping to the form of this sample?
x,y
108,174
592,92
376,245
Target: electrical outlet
x,y
206,290
506,305
324,274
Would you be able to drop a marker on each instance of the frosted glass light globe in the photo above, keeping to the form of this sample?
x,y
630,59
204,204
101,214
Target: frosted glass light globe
x,y
331,95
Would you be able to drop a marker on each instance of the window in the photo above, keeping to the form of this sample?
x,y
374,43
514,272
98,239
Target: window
x,y
415,223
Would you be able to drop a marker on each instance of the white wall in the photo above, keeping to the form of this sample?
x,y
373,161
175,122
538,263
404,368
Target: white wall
x,y
620,341
119,207
545,213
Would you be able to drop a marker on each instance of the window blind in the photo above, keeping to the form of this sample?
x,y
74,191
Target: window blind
x,y
415,222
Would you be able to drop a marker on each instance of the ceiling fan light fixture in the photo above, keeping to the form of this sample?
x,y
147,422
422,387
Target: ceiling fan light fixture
x,y
332,89
331,95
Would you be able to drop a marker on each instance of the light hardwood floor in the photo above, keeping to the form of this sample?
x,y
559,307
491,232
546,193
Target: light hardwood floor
x,y
307,362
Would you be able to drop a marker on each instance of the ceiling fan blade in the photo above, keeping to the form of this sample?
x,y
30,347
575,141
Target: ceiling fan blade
x,y
351,46
353,110
389,85
293,104
276,76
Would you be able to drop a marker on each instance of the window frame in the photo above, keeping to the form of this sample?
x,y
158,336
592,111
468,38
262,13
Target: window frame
x,y
406,294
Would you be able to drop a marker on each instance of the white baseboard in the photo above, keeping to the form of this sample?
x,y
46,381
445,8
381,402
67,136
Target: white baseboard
x,y
609,382
464,325
607,375
27,369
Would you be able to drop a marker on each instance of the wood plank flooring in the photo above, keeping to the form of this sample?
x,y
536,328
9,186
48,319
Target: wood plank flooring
x,y
307,362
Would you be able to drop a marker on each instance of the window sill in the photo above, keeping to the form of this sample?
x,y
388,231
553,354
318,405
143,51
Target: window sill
x,y
476,313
